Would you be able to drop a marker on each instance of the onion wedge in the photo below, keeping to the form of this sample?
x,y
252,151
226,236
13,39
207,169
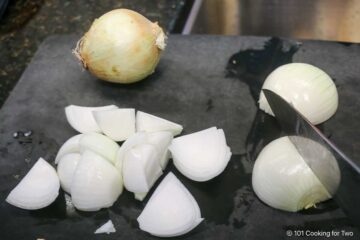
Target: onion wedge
x,y
117,124
81,118
72,145
66,169
141,169
201,156
171,211
161,141
96,183
150,123
99,144
38,189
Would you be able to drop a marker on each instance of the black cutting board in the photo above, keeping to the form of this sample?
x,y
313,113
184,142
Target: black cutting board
x,y
201,81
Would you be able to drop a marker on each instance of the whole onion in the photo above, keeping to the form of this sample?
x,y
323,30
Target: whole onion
x,y
121,46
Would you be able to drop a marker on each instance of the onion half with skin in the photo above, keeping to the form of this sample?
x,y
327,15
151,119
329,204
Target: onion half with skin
x,y
121,46
38,189
282,179
171,211
307,88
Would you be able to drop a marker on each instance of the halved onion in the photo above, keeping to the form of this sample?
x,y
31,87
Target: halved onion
x,y
66,169
171,211
96,183
150,123
100,144
161,141
141,169
117,124
309,90
72,145
201,156
38,189
81,118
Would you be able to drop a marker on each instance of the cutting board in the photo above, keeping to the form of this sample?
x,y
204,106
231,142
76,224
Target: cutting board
x,y
201,81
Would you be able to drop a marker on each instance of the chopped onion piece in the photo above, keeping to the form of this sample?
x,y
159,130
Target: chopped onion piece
x,y
81,118
137,138
150,123
141,168
38,189
201,156
72,145
171,211
100,144
66,169
107,228
117,124
161,141
96,183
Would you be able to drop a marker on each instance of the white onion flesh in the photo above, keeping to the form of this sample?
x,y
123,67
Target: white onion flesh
x,y
161,141
72,145
136,139
100,144
282,179
66,169
150,123
81,118
309,90
96,183
38,189
201,156
121,46
171,211
117,124
141,169
107,228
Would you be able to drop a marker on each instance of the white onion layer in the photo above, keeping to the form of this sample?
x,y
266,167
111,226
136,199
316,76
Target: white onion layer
x,y
161,140
66,169
150,123
201,156
107,228
141,169
38,189
117,124
309,89
100,144
171,211
72,145
282,179
96,183
81,118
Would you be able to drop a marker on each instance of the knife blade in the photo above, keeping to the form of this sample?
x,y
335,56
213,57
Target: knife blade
x,y
293,123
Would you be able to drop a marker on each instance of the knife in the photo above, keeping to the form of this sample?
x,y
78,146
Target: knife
x,y
295,124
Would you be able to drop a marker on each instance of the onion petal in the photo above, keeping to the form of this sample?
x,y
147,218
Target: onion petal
x,y
72,145
100,144
38,189
117,124
171,211
96,183
201,156
107,228
66,169
141,168
150,123
81,118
